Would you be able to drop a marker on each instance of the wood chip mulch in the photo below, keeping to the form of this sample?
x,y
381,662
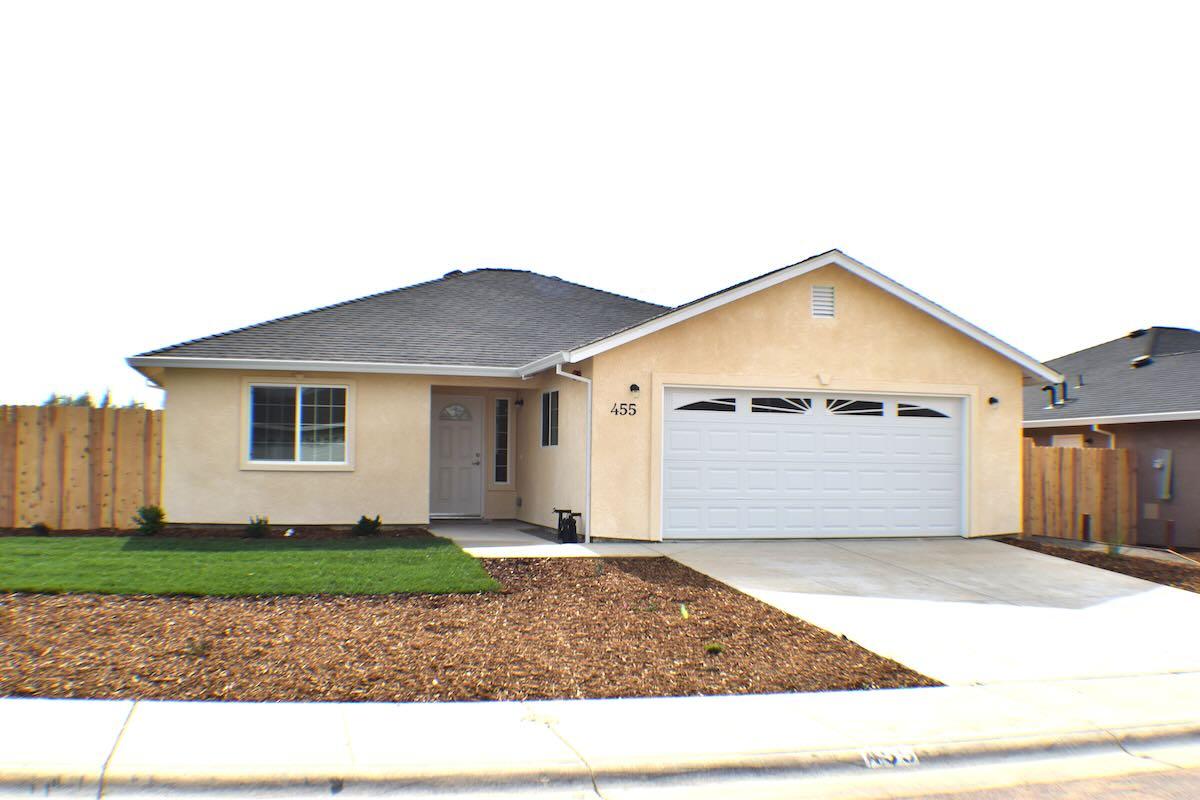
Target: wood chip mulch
x,y
561,628
1181,576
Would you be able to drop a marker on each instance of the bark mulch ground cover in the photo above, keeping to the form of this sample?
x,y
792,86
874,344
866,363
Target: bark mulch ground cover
x,y
1181,576
560,628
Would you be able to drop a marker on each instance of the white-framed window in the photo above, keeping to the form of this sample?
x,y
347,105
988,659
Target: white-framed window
x,y
550,419
500,434
297,424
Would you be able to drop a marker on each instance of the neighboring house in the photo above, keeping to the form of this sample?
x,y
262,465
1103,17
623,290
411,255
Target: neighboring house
x,y
1140,392
821,399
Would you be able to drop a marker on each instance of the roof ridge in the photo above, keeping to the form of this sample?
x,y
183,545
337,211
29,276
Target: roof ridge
x,y
297,314
1125,336
446,277
1093,347
601,291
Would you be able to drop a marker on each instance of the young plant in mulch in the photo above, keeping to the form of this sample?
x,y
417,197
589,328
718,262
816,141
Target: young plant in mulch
x,y
714,648
367,526
197,648
150,520
258,528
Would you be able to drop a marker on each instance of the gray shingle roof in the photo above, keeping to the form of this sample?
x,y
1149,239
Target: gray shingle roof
x,y
1111,387
486,317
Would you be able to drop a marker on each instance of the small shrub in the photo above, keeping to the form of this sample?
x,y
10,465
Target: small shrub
x,y
150,520
197,648
683,611
714,648
40,529
366,526
258,527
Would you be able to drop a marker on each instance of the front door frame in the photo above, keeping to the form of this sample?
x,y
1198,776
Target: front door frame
x,y
477,404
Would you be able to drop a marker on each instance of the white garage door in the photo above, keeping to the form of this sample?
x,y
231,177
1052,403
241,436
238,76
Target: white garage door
x,y
779,463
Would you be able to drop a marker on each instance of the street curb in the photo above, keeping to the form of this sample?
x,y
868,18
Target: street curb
x,y
650,770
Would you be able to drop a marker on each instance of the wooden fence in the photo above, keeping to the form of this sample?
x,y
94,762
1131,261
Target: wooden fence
x,y
1080,493
78,468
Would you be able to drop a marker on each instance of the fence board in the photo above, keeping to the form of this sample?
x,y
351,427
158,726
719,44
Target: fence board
x,y
106,418
1063,484
75,494
129,466
76,468
8,466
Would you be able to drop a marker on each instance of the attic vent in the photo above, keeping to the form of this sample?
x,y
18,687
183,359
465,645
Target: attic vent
x,y
822,301
1140,361
452,273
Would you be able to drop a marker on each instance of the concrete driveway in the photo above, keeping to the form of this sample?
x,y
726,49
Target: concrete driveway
x,y
963,611
966,611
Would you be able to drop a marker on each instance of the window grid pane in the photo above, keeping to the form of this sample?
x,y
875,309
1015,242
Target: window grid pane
x,y
272,423
500,473
323,424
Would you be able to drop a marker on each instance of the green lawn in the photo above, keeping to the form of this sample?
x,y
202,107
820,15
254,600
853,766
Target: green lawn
x,y
229,567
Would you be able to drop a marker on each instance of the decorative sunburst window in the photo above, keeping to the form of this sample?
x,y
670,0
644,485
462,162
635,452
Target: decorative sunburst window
x,y
860,408
716,404
781,405
910,410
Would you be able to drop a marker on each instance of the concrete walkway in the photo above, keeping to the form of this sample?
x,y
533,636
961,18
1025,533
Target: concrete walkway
x,y
616,748
506,539
963,611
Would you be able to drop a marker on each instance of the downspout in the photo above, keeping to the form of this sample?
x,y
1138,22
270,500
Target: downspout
x,y
1112,437
587,453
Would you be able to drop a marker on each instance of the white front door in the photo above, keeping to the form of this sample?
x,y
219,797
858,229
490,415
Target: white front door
x,y
456,463
741,463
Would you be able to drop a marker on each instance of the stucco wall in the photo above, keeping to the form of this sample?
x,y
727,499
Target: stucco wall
x,y
770,340
204,480
551,477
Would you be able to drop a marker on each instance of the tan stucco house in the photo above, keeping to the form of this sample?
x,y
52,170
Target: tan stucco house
x,y
821,399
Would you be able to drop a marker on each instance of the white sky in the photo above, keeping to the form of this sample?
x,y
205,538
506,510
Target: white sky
x,y
173,170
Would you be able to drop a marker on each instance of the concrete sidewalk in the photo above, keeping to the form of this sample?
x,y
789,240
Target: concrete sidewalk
x,y
581,748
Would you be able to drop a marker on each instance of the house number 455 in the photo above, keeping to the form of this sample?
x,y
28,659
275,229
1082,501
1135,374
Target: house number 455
x,y
624,409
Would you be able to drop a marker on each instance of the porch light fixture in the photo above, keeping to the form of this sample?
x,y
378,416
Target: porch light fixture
x,y
633,387
993,401
520,401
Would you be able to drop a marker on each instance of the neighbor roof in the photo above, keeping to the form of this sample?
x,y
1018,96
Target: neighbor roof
x,y
1113,390
486,317
498,322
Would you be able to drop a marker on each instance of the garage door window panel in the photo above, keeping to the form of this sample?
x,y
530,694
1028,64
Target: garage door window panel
x,y
728,404
780,405
861,408
909,410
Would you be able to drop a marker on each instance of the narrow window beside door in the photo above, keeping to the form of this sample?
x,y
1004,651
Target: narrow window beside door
x,y
500,470
549,419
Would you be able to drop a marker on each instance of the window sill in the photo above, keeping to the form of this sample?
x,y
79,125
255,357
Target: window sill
x,y
292,466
